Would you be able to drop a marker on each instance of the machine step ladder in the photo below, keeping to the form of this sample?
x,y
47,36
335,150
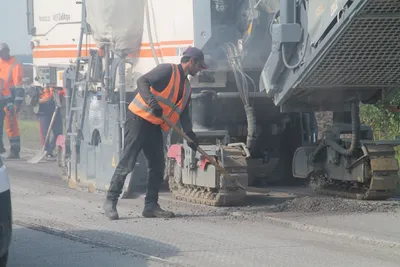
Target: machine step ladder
x,y
74,134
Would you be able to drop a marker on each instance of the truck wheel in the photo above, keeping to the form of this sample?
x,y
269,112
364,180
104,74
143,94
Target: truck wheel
x,y
4,260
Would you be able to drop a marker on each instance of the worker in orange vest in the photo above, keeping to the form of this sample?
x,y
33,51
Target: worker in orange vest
x,y
12,73
47,105
165,90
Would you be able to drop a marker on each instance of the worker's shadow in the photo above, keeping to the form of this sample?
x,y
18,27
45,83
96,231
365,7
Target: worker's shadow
x,y
41,246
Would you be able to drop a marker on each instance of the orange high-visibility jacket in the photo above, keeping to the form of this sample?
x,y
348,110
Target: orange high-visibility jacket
x,y
11,72
167,99
47,93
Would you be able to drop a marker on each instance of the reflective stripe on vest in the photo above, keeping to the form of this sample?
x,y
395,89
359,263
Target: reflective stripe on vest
x,y
170,109
2,88
10,72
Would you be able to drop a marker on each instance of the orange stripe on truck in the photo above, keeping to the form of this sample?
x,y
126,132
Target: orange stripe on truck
x,y
166,52
180,42
58,54
64,46
71,51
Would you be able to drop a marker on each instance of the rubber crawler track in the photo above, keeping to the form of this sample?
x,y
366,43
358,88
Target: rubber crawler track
x,y
200,195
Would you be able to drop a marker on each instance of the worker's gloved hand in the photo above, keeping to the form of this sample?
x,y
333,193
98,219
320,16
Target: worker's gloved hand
x,y
157,110
10,109
155,107
195,143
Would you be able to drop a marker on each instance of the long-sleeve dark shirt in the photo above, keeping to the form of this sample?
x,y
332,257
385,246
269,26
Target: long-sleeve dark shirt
x,y
158,78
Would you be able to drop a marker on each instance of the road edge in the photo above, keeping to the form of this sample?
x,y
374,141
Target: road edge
x,y
331,232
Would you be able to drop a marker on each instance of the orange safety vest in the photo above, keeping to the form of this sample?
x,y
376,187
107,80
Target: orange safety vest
x,y
47,93
166,99
11,72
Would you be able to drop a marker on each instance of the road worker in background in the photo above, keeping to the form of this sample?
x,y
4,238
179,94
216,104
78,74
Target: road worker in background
x,y
164,90
48,100
12,73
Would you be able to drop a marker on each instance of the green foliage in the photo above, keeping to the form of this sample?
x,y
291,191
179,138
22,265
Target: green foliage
x,y
384,122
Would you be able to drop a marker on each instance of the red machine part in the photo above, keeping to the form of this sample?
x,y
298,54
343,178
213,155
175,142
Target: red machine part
x,y
175,151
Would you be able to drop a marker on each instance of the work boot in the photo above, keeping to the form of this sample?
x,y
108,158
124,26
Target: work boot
x,y
153,210
110,209
50,157
13,155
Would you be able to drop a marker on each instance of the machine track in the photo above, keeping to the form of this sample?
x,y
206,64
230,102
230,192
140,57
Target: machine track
x,y
382,169
361,195
203,195
209,198
206,196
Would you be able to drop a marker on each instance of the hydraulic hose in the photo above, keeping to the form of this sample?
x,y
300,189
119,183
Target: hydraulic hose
x,y
355,139
356,129
234,60
251,126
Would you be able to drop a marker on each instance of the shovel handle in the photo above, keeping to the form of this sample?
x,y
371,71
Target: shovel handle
x,y
53,117
187,138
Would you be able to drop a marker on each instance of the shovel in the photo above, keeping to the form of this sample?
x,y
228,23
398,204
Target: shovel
x,y
43,153
201,151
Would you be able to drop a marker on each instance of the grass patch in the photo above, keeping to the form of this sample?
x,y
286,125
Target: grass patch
x,y
29,132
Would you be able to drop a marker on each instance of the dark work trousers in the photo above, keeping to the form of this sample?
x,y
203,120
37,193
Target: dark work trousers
x,y
44,121
140,134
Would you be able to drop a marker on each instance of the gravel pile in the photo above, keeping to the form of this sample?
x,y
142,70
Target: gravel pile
x,y
335,205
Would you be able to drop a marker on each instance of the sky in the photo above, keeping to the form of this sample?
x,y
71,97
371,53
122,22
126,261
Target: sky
x,y
15,33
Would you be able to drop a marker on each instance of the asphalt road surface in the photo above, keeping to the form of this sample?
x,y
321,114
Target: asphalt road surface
x,y
58,226
32,248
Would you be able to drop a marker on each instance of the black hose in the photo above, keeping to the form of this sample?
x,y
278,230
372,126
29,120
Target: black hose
x,y
356,128
355,138
251,126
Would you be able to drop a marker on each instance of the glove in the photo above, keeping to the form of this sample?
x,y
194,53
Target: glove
x,y
10,109
195,143
155,107
157,110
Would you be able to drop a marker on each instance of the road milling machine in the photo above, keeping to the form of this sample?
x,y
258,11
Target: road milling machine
x,y
272,65
332,55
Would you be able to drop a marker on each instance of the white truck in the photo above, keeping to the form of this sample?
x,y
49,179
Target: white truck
x,y
55,33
